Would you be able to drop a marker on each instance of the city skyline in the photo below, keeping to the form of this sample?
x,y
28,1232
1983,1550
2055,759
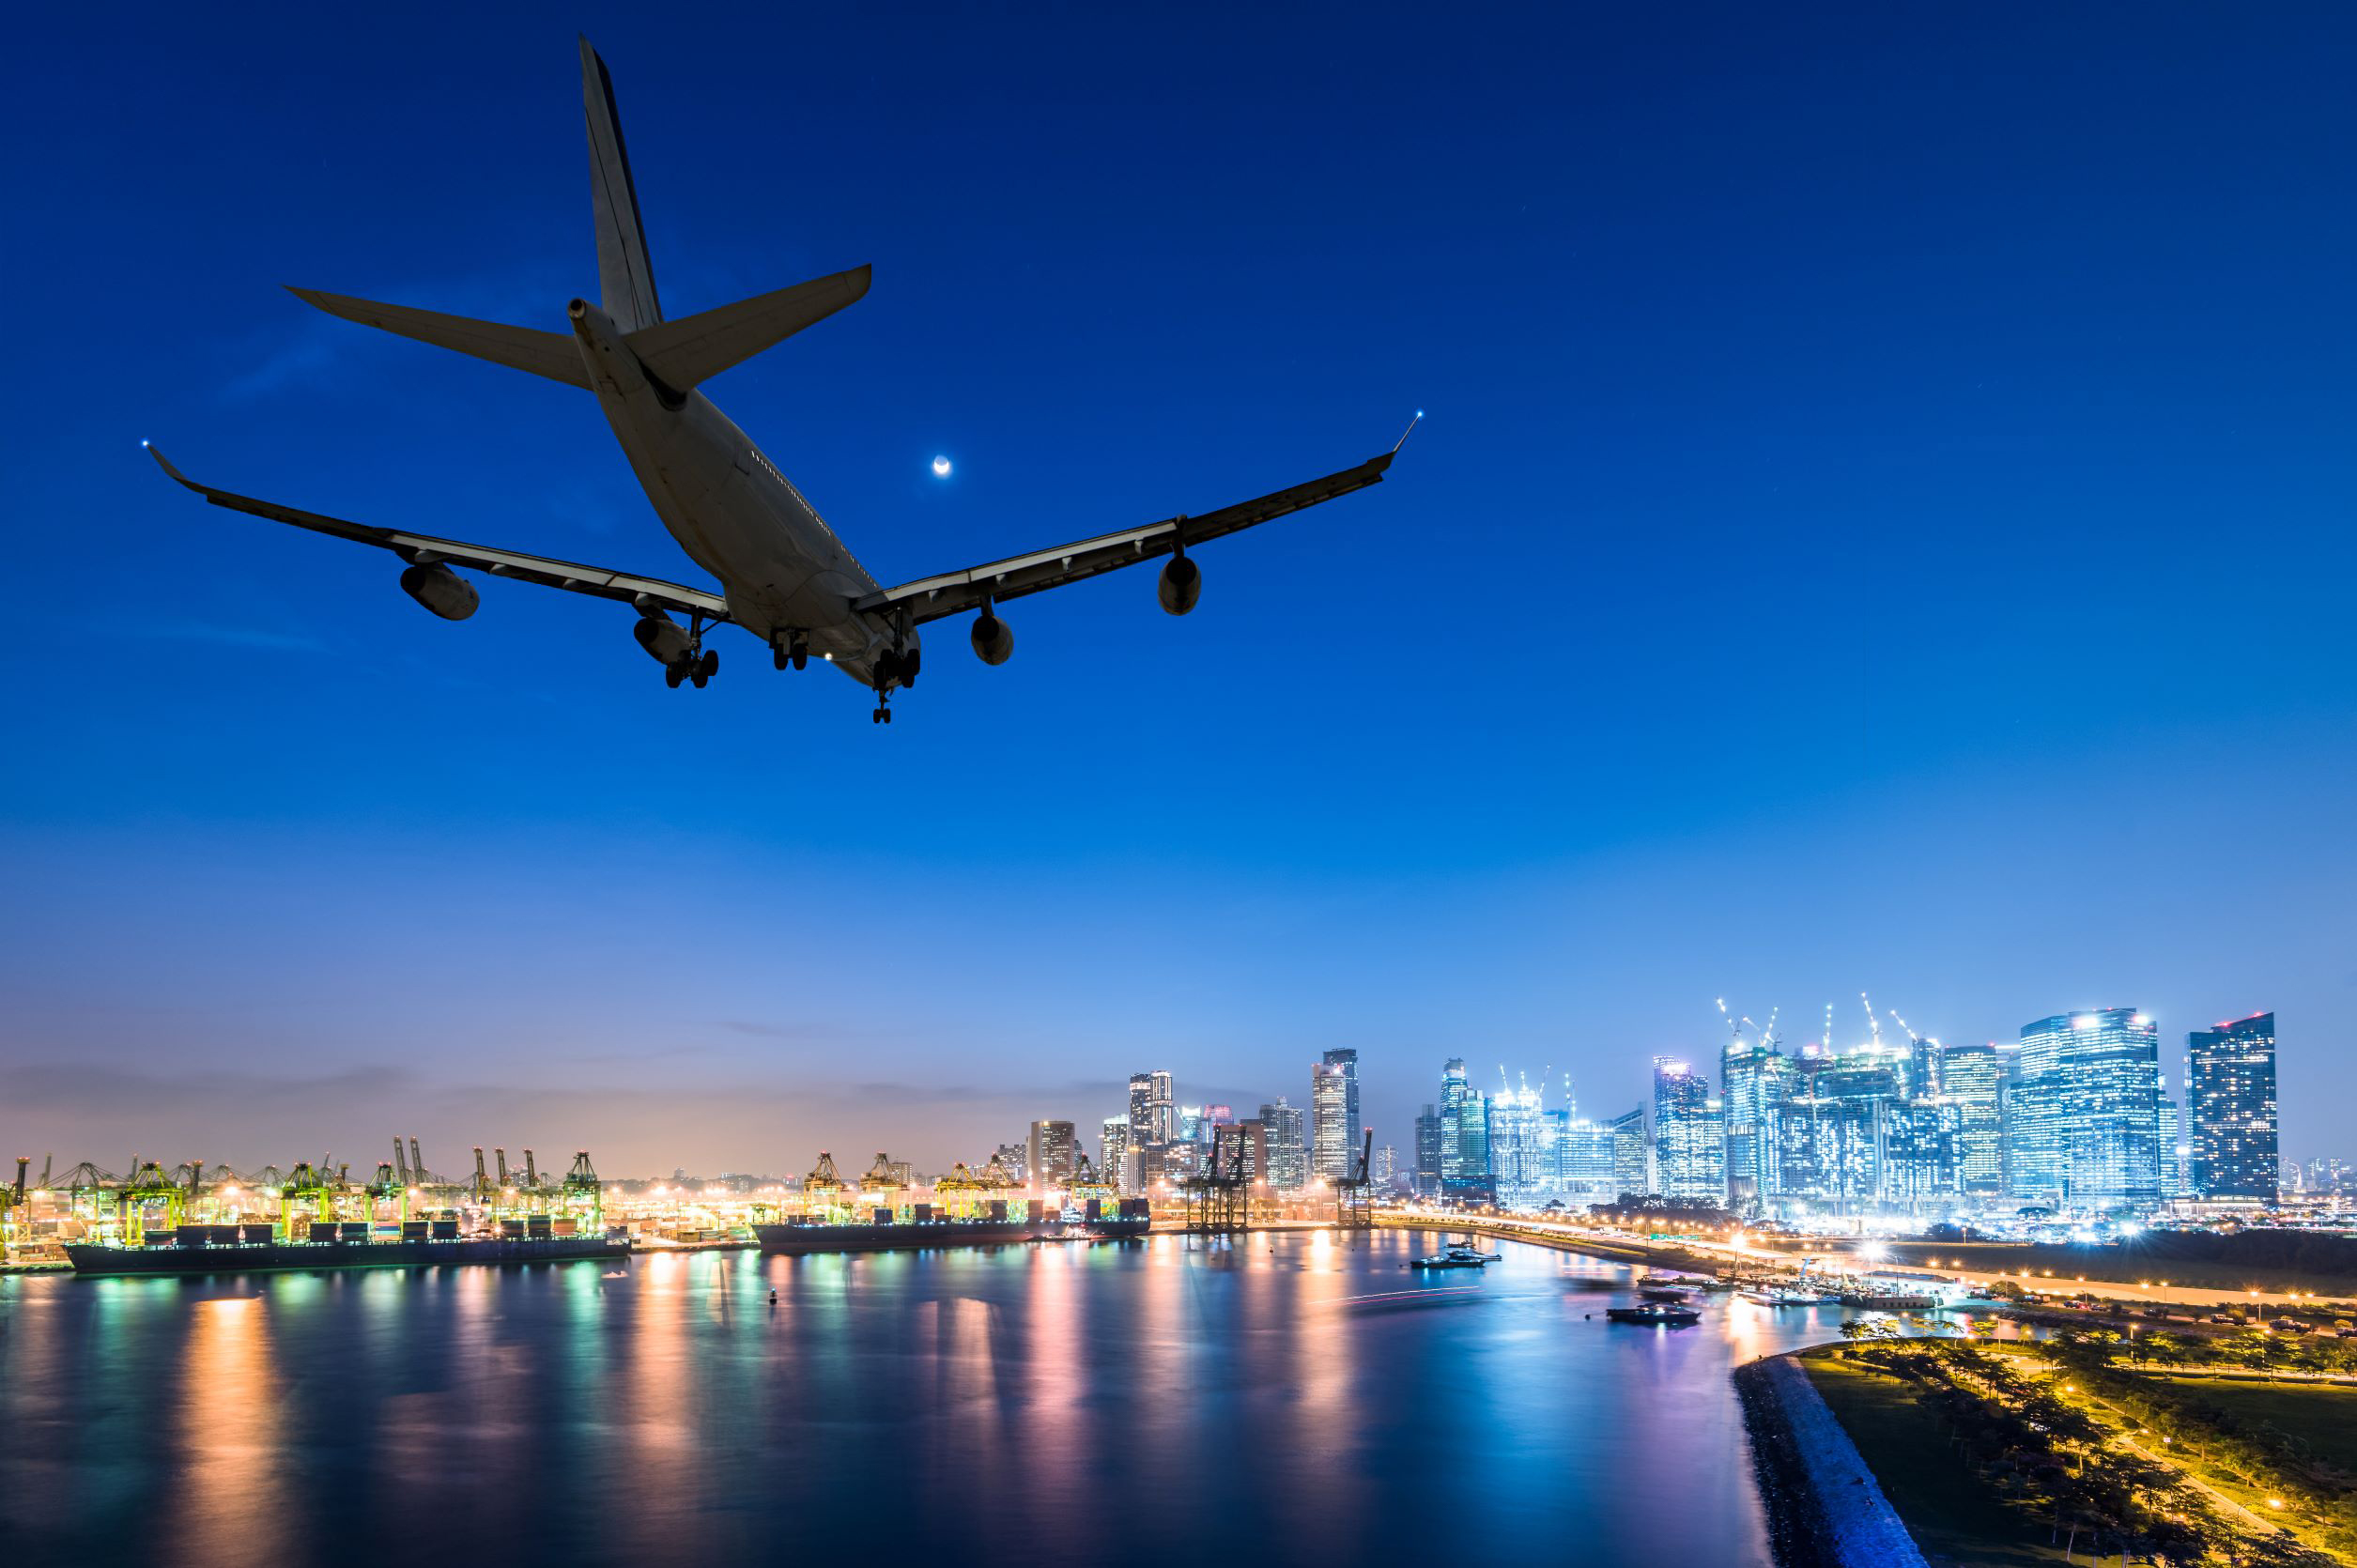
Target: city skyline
x,y
1885,465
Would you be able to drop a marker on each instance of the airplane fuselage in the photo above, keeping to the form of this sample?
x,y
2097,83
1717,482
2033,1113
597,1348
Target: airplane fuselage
x,y
782,570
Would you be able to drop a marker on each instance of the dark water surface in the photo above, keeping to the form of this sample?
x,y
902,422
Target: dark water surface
x,y
1297,1398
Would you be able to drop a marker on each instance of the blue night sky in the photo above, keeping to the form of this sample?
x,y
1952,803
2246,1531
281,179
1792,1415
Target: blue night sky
x,y
1883,521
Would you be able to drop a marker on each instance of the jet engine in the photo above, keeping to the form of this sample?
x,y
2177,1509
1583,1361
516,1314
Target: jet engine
x,y
664,639
441,590
993,639
1181,585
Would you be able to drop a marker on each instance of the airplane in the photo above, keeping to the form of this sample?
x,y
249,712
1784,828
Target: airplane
x,y
783,574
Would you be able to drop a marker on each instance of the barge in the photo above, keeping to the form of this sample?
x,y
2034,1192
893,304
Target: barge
x,y
244,1255
886,1231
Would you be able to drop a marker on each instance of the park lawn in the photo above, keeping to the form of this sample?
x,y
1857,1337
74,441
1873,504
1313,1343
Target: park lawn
x,y
1955,1516
2323,1417
2114,1266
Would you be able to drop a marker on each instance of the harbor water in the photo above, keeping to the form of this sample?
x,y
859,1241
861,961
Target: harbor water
x,y
1302,1396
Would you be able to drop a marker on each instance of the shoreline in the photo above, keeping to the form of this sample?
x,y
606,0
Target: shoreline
x,y
1825,1508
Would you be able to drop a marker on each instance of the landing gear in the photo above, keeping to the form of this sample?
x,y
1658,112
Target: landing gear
x,y
704,668
696,664
881,716
791,650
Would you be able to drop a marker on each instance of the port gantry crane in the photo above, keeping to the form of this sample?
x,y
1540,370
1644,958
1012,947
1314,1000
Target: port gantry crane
x,y
1354,1207
1218,1199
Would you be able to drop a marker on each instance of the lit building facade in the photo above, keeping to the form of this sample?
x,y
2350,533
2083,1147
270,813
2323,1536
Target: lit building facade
x,y
1428,1153
1632,1154
1353,1129
1689,1142
1970,1077
1332,1156
2230,1102
1053,1154
2083,1120
1752,1074
1289,1146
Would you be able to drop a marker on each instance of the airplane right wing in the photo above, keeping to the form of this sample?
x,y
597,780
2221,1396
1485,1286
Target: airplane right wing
x,y
420,549
952,592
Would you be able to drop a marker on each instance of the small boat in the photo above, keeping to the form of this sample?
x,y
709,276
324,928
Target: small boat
x,y
1659,1314
1664,1295
1450,1259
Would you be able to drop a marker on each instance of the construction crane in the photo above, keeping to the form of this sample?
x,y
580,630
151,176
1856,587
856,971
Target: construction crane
x,y
1924,1062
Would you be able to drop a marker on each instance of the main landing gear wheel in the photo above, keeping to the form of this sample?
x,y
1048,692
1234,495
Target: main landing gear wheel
x,y
674,673
881,716
704,668
793,651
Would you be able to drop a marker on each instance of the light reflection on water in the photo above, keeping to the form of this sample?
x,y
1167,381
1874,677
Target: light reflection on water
x,y
1306,1393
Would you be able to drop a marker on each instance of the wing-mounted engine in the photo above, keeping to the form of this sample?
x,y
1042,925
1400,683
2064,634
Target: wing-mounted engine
x,y
433,584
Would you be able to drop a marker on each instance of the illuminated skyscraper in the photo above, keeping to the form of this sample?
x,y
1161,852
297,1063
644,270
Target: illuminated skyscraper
x,y
2230,1101
1288,1147
1969,1077
1428,1153
1054,1146
1348,1060
1632,1154
1330,1153
1113,1154
1464,1134
1518,1158
1141,1117
1752,1071
1688,1141
2083,1122
1161,1109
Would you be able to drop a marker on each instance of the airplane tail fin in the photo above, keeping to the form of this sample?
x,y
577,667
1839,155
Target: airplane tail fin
x,y
625,275
682,353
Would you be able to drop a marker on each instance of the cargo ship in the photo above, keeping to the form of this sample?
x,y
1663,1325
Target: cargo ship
x,y
885,1231
245,1249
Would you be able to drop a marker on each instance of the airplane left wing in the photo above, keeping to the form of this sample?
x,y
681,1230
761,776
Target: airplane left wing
x,y
931,598
420,549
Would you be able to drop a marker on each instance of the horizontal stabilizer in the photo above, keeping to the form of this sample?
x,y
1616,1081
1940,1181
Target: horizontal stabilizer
x,y
554,354
682,353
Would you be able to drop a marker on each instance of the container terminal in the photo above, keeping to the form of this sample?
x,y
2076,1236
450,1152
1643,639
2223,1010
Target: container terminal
x,y
192,1217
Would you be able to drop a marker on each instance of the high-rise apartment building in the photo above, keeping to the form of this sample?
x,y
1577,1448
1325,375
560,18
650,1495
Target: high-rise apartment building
x,y
2083,1121
1289,1146
2230,1102
1051,1162
1685,1133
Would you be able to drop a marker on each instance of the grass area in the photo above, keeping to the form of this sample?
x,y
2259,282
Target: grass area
x,y
2120,1266
1954,1516
2324,1418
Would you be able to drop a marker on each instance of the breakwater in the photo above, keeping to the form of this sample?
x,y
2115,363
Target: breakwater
x,y
1824,1506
